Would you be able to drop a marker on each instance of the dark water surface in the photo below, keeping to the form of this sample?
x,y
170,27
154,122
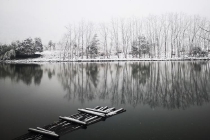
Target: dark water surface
x,y
164,100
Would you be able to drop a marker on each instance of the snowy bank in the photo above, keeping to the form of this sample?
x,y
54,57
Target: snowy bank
x,y
57,56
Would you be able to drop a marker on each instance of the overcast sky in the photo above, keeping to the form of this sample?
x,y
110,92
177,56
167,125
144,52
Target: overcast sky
x,y
47,19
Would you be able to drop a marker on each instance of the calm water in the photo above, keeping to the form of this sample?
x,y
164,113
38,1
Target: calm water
x,y
164,100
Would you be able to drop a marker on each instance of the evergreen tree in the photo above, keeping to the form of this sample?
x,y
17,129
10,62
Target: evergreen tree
x,y
38,45
140,46
50,45
93,47
26,47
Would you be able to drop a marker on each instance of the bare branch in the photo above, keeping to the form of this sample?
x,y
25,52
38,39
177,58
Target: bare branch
x,y
204,38
204,29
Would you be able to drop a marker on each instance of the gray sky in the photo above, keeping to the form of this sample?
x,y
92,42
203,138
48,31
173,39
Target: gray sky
x,y
47,19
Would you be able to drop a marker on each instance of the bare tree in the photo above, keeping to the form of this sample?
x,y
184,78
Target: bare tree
x,y
115,34
104,33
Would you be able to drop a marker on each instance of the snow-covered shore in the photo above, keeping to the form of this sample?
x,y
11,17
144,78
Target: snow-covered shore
x,y
57,56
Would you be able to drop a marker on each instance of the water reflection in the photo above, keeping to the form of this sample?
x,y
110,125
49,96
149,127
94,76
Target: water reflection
x,y
158,84
22,72
50,72
169,85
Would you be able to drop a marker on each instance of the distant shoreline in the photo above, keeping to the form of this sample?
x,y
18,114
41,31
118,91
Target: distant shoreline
x,y
103,60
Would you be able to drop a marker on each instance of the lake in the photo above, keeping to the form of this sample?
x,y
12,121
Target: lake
x,y
164,100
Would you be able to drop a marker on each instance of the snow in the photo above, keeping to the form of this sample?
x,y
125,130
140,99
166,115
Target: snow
x,y
100,111
73,120
114,112
92,112
43,132
58,56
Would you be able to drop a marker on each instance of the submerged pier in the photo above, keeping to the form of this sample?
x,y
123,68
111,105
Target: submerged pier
x,y
82,119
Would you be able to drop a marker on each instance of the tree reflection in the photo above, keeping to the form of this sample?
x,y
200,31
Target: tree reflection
x,y
50,72
141,70
92,72
157,84
22,72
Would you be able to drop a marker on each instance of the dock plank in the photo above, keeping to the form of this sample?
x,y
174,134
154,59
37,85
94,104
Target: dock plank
x,y
74,122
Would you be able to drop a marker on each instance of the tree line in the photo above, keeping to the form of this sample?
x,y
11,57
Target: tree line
x,y
169,35
21,49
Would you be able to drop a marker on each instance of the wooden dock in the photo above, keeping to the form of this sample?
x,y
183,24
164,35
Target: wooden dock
x,y
82,119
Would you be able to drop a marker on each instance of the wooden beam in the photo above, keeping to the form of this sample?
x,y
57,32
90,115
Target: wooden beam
x,y
115,112
43,132
73,120
95,110
92,112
